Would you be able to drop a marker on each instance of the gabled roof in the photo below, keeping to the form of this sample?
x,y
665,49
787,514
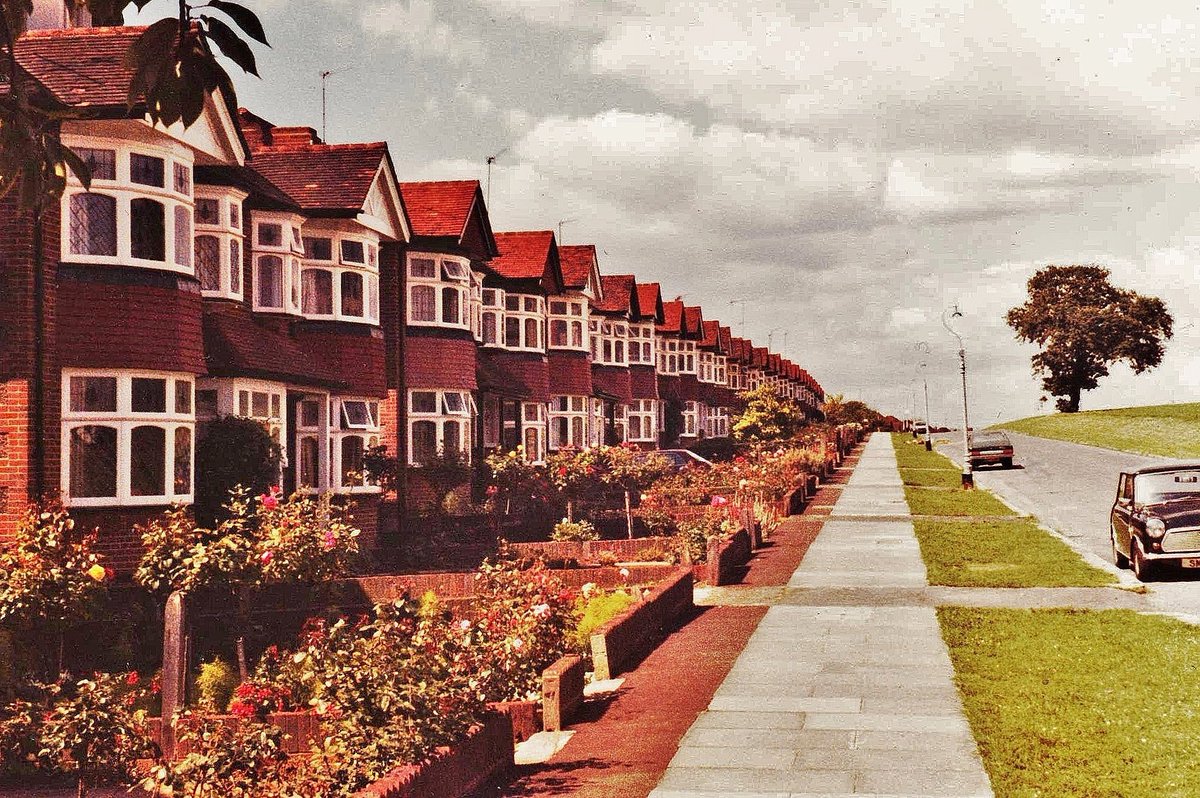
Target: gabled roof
x,y
445,208
650,301
740,349
579,261
693,322
80,66
672,317
338,180
87,68
263,193
619,295
710,337
529,255
726,340
758,357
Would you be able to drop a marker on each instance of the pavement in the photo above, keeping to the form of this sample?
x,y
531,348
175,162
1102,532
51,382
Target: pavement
x,y
840,700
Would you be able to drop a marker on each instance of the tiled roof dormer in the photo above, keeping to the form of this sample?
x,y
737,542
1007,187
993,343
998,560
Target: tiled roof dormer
x,y
452,211
528,256
650,301
620,295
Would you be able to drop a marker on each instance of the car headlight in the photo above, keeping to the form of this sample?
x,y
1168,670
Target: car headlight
x,y
1156,528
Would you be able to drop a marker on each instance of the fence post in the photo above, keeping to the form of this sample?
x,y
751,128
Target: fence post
x,y
174,667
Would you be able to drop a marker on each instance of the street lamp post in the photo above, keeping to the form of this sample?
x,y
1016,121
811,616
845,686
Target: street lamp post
x,y
968,478
924,348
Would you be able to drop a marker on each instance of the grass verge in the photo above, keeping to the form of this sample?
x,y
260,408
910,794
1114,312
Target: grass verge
x,y
934,501
1079,704
910,453
1014,553
1167,430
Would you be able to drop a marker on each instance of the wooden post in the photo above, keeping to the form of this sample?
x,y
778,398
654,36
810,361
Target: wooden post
x,y
174,667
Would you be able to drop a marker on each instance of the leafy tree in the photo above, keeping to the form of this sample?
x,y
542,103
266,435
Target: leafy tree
x,y
633,471
174,71
767,417
232,451
1084,324
838,410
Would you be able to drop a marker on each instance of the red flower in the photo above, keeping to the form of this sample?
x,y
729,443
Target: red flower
x,y
132,678
269,501
562,471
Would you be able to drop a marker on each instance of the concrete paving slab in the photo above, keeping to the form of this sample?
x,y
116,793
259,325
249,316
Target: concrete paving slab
x,y
859,689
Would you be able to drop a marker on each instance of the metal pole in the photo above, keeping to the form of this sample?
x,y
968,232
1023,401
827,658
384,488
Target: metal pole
x,y
928,442
968,478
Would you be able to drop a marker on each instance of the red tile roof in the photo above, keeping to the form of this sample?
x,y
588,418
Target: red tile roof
x,y
323,176
650,300
711,336
440,208
726,338
620,294
613,381
758,356
672,316
577,262
693,321
80,66
525,255
237,343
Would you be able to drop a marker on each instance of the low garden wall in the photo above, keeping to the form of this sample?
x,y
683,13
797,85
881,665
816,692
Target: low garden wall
x,y
562,692
301,729
524,716
588,551
726,556
621,643
452,772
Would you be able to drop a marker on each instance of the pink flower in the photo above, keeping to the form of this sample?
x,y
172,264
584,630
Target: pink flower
x,y
541,610
269,501
329,540
276,490
719,501
266,557
492,490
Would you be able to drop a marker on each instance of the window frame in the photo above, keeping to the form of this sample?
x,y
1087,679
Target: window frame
x,y
125,421
288,250
452,276
227,230
440,417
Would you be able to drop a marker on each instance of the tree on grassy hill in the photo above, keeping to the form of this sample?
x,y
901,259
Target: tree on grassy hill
x,y
1084,324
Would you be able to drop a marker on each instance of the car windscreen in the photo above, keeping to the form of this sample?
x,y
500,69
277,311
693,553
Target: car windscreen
x,y
1163,486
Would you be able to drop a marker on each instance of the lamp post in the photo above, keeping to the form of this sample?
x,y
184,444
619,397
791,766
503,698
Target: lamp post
x,y
923,347
968,478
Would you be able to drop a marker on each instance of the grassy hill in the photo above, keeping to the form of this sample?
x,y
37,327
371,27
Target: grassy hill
x,y
1167,430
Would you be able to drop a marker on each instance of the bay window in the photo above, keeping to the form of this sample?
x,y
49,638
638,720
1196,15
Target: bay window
x,y
707,366
669,360
568,320
312,443
439,425
533,431
691,418
217,249
524,322
276,256
687,357
127,438
608,342
641,420
131,214
641,344
354,428
568,421
345,288
439,291
492,321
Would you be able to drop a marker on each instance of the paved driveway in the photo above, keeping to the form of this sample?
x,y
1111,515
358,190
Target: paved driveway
x,y
1070,488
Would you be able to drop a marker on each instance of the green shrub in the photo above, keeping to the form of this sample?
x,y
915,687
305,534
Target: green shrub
x,y
595,608
232,451
606,558
656,553
574,531
215,685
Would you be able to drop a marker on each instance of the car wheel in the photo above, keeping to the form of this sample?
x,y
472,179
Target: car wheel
x,y
1006,462
1119,559
1142,569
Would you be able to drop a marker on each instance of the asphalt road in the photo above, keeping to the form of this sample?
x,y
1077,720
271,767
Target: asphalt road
x,y
1070,488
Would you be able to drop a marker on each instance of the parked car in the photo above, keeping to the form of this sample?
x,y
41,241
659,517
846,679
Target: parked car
x,y
920,429
990,447
1155,520
684,458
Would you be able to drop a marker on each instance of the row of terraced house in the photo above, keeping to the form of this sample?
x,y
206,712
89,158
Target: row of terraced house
x,y
242,268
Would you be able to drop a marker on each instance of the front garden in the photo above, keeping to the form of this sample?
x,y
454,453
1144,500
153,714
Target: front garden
x,y
252,652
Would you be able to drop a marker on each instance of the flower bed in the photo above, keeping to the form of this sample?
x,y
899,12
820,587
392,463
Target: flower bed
x,y
301,729
622,642
455,771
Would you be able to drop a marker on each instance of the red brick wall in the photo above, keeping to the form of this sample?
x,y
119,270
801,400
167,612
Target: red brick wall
x,y
114,324
390,307
434,361
17,332
358,359
570,373
117,539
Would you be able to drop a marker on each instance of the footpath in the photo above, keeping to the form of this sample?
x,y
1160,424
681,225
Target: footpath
x,y
622,746
840,699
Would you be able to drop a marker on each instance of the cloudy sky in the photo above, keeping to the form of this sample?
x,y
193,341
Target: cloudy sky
x,y
850,169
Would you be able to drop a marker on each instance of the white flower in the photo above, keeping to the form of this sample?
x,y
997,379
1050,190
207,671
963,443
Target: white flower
x,y
516,643
464,625
541,610
587,589
624,573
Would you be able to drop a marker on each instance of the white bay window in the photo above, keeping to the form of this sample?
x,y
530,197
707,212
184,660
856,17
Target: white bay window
x,y
568,421
218,243
340,280
354,427
127,438
439,291
439,425
277,251
568,321
641,421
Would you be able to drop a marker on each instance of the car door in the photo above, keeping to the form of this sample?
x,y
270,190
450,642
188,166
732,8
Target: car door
x,y
1121,512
